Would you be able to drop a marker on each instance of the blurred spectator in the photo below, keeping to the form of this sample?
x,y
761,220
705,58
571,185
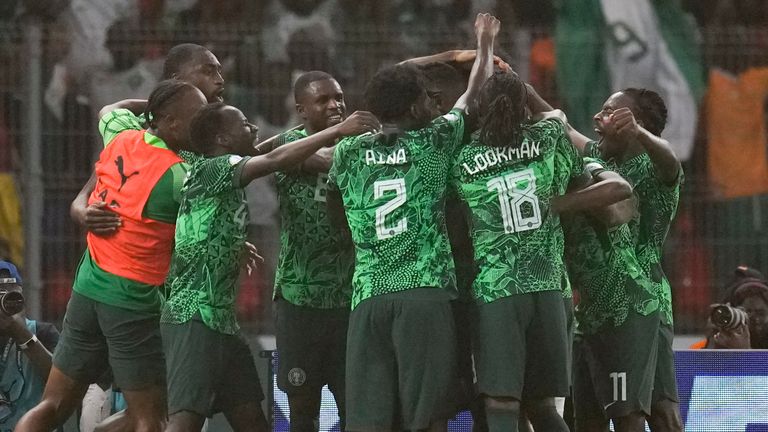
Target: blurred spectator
x,y
26,356
728,12
130,75
46,10
283,18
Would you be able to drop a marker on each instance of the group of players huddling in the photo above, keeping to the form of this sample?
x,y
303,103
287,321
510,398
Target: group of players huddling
x,y
367,299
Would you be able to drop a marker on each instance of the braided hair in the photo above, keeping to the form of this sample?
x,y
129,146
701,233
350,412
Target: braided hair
x,y
650,109
163,95
502,110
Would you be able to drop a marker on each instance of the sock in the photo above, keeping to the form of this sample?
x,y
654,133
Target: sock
x,y
547,419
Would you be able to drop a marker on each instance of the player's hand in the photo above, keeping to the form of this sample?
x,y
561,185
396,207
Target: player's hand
x,y
359,123
624,124
251,258
737,338
487,25
468,56
98,219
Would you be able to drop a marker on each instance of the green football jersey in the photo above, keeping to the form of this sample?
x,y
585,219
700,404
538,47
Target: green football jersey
x,y
657,206
603,267
210,239
316,263
517,240
393,191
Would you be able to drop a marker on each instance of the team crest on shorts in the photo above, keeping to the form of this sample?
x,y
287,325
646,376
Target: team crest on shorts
x,y
297,377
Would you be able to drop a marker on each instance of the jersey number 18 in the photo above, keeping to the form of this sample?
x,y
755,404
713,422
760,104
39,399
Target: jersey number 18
x,y
517,197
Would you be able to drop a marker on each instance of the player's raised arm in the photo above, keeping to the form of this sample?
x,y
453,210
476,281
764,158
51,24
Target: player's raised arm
x,y
486,28
454,57
664,159
295,152
135,106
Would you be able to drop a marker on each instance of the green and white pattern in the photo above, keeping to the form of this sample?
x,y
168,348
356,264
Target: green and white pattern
x,y
393,191
210,239
657,206
518,241
316,263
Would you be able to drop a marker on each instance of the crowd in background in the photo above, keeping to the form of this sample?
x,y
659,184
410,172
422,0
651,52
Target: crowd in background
x,y
96,52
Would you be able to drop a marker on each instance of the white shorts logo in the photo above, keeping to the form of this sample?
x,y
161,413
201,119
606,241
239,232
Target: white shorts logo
x,y
297,377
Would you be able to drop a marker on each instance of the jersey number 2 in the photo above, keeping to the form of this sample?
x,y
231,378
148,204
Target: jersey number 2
x,y
380,187
516,191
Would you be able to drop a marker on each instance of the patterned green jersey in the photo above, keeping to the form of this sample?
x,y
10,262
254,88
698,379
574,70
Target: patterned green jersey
x,y
657,205
393,190
316,263
603,266
210,238
517,240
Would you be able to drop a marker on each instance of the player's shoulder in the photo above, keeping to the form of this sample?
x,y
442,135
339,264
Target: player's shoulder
x,y
549,122
291,136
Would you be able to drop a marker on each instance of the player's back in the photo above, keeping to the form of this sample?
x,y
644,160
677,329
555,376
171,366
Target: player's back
x,y
393,191
517,239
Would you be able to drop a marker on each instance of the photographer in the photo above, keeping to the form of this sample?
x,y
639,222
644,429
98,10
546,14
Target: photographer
x,y
25,359
741,320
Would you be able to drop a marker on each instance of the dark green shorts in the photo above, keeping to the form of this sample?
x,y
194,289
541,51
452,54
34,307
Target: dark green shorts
x,y
208,371
621,370
465,391
521,346
96,336
401,355
312,346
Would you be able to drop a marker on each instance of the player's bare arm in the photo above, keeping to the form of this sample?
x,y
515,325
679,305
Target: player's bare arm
x,y
487,27
455,57
267,145
664,160
135,106
96,218
608,188
295,152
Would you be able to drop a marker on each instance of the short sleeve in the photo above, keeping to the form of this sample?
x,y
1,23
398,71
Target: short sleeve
x,y
48,335
163,202
568,159
119,120
450,128
219,174
591,149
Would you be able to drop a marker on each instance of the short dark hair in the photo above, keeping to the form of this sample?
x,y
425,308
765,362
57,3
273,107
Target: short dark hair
x,y
180,55
442,74
393,90
651,109
502,110
205,125
303,81
163,95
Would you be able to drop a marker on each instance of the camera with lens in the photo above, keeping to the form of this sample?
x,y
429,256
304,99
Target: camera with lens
x,y
727,317
11,302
